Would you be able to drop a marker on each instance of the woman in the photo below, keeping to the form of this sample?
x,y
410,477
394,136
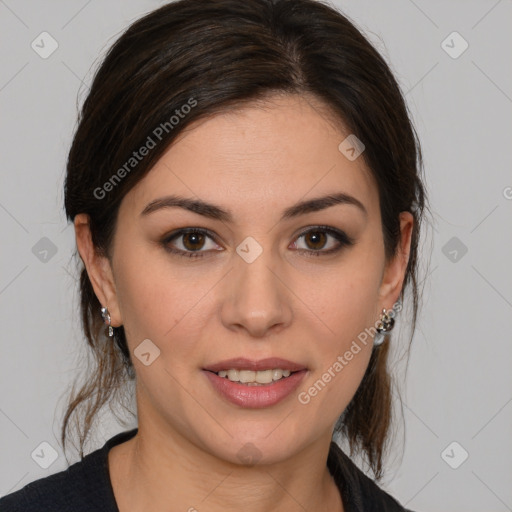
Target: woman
x,y
245,187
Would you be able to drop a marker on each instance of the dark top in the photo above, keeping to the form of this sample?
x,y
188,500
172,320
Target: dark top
x,y
85,486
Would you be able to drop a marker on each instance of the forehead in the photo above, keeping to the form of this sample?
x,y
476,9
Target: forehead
x,y
266,153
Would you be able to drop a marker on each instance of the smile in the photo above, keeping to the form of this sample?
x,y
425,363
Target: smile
x,y
255,384
254,378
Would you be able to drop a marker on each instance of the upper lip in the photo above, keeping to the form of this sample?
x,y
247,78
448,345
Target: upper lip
x,y
242,363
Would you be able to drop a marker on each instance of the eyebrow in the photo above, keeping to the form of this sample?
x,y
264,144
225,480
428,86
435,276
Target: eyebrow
x,y
215,212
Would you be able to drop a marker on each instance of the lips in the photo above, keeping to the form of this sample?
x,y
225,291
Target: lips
x,y
262,364
260,395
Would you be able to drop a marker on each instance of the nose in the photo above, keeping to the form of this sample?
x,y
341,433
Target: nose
x,y
256,298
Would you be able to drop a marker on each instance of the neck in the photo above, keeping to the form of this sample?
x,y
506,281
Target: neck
x,y
151,471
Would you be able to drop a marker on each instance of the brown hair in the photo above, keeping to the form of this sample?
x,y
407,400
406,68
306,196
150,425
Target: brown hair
x,y
216,55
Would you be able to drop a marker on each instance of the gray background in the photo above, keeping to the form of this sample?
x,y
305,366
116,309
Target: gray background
x,y
459,383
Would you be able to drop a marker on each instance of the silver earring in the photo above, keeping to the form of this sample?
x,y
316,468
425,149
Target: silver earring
x,y
106,318
385,325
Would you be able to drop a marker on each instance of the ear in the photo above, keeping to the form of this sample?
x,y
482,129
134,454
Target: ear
x,y
98,268
394,272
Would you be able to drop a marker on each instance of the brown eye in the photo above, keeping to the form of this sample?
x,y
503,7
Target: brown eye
x,y
190,242
193,241
315,239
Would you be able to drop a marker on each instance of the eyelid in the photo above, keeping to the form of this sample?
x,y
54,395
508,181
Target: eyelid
x,y
183,231
330,230
341,237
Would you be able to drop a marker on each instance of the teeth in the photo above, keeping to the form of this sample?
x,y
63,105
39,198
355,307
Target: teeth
x,y
233,375
264,377
253,378
246,376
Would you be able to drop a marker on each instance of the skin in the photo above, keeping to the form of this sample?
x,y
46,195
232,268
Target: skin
x,y
287,303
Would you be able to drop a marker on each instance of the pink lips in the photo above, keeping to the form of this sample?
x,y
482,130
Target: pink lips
x,y
255,397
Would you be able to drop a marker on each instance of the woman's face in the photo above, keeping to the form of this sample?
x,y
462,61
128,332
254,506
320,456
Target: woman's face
x,y
264,282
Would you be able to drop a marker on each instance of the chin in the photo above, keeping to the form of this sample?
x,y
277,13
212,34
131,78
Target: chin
x,y
268,443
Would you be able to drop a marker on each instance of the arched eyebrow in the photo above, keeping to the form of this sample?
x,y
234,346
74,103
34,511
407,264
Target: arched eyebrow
x,y
216,212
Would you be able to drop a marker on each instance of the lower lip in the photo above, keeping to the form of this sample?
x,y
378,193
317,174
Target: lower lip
x,y
255,397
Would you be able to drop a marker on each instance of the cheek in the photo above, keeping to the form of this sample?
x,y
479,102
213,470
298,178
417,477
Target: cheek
x,y
158,300
346,299
343,354
345,306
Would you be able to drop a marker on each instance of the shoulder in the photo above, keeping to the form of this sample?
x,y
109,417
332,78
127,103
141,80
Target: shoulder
x,y
83,487
360,493
61,491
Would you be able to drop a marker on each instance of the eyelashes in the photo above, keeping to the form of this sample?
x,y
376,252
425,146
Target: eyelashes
x,y
199,236
342,239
